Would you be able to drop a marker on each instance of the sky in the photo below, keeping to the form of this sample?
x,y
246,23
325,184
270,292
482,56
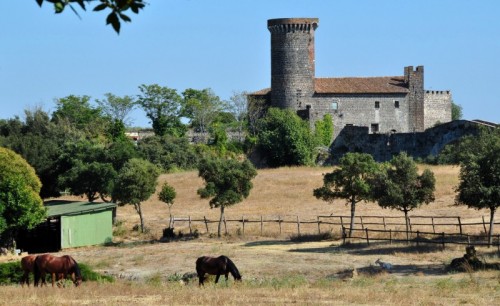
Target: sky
x,y
225,45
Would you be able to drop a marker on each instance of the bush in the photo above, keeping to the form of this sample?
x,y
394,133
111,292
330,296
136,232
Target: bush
x,y
10,273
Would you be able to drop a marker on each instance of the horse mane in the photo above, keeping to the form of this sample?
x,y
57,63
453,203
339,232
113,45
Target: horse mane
x,y
76,267
232,268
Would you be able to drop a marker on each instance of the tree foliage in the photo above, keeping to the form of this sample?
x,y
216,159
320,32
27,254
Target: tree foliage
x,y
20,204
136,182
168,152
227,182
400,186
350,181
117,8
202,107
456,111
479,180
163,106
324,130
285,139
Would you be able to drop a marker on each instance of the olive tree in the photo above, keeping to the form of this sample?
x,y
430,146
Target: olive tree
x,y
136,182
401,187
479,180
350,181
227,182
167,195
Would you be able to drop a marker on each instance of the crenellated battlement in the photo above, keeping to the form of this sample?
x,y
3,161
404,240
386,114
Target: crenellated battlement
x,y
438,92
287,25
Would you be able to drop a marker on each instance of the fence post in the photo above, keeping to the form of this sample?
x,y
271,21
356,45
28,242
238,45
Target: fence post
x,y
383,219
460,225
190,228
298,225
261,225
484,226
442,240
319,227
243,221
418,237
362,225
279,222
342,222
343,235
390,236
225,225
433,228
206,223
367,239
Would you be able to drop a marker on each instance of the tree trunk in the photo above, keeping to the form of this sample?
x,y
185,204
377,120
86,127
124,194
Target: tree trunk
x,y
492,224
407,225
220,220
353,213
139,211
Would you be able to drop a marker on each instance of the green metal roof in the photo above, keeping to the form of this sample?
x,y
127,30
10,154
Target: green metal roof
x,y
65,208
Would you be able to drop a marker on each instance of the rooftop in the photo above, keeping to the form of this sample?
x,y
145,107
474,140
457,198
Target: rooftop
x,y
64,208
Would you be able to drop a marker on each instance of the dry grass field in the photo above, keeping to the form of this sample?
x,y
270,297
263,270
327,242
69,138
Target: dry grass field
x,y
275,270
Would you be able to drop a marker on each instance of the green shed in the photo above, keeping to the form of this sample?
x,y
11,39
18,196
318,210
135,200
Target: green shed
x,y
70,224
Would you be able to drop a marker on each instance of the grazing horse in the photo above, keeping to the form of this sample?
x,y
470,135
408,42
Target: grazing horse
x,y
216,266
60,266
27,264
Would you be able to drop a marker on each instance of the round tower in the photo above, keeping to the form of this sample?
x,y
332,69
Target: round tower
x,y
292,61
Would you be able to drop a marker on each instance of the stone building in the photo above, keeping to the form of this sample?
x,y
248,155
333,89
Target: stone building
x,y
386,105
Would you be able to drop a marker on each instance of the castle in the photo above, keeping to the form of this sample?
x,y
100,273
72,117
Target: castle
x,y
385,105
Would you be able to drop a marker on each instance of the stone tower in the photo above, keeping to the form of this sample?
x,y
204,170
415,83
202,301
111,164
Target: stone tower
x,y
414,79
292,61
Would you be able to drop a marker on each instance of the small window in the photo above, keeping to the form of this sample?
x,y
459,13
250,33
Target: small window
x,y
377,104
374,128
335,105
396,104
349,124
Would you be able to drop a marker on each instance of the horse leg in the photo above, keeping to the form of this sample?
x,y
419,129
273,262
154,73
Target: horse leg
x,y
201,278
217,278
53,278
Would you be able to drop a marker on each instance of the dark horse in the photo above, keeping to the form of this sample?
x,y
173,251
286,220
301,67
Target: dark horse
x,y
216,266
56,266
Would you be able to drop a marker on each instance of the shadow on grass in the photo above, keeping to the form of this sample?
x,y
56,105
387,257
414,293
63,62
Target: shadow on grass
x,y
268,242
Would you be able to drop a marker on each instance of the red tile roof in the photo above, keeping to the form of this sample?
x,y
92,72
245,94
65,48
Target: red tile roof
x,y
359,85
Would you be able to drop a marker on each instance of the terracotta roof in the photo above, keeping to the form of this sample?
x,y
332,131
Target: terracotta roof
x,y
361,85
357,85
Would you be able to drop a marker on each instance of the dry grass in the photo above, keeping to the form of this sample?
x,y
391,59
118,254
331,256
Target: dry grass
x,y
275,270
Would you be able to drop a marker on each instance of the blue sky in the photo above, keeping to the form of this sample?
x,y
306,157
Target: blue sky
x,y
225,45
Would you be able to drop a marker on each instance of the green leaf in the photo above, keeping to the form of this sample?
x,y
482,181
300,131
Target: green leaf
x,y
100,7
114,21
58,7
125,18
40,2
81,3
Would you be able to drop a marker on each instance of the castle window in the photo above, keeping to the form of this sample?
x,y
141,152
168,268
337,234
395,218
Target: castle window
x,y
335,105
377,104
396,104
374,128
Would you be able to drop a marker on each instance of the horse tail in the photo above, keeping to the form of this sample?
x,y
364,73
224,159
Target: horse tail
x,y
36,272
232,268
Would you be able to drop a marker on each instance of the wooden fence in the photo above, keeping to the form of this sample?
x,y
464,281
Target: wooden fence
x,y
418,237
295,225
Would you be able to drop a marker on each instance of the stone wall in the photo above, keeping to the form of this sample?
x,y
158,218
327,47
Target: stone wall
x,y
384,146
437,107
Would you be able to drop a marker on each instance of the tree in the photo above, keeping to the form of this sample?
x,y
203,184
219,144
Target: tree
x,y
167,195
400,186
227,182
168,152
238,106
285,139
351,181
479,179
117,7
117,108
164,107
136,182
256,109
201,106
456,111
324,130
20,204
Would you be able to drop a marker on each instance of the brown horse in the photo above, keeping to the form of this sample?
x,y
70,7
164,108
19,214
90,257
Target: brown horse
x,y
216,266
27,264
60,266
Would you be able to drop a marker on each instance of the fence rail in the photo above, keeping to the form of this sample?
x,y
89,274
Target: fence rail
x,y
295,225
